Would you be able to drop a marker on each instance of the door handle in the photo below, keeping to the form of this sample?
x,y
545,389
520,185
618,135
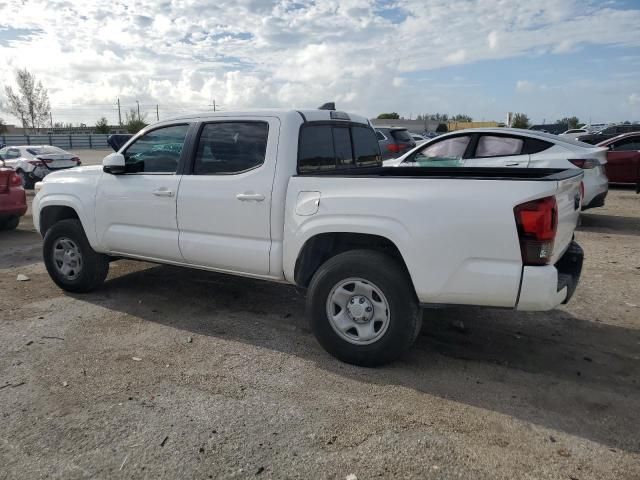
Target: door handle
x,y
163,192
512,164
250,197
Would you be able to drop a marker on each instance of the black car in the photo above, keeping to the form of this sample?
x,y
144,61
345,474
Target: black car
x,y
609,132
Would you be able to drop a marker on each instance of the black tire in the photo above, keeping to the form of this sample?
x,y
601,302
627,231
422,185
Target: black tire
x,y
387,275
95,266
10,223
27,183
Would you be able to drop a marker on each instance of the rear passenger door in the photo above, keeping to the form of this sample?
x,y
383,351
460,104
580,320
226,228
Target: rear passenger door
x,y
496,150
224,199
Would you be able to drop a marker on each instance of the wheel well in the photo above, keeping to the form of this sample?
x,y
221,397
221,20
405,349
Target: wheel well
x,y
53,214
322,247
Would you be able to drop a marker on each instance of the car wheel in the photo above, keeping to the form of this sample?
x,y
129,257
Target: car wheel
x,y
363,309
10,223
27,183
71,262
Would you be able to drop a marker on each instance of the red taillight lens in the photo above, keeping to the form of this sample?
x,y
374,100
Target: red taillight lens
x,y
15,180
393,148
36,162
584,164
77,160
537,223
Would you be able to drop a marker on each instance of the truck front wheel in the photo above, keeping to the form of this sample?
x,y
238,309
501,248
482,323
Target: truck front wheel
x,y
71,262
363,308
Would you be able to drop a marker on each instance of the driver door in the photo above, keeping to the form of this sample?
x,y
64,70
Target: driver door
x,y
136,211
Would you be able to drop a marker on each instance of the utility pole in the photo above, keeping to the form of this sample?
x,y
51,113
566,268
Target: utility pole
x,y
157,114
51,119
138,109
119,114
214,104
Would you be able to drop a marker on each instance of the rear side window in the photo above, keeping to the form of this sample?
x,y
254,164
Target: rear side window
x,y
226,148
535,145
328,147
627,144
493,146
401,135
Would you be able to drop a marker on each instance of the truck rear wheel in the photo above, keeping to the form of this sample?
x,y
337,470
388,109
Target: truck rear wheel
x,y
71,262
362,308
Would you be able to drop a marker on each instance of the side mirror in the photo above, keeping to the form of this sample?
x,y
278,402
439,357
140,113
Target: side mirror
x,y
114,163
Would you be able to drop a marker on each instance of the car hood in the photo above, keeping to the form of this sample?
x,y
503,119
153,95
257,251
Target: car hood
x,y
73,173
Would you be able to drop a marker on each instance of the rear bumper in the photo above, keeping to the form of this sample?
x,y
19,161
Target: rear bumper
x,y
597,201
13,203
544,288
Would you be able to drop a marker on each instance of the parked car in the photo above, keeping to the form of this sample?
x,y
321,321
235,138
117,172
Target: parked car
x,y
609,132
32,163
623,158
510,147
13,201
300,197
419,139
574,133
394,141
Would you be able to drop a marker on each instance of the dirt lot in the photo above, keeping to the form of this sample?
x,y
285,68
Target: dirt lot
x,y
168,372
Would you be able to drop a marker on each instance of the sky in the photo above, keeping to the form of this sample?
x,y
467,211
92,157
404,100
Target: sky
x,y
546,58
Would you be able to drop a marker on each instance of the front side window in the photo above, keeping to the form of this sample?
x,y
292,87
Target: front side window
x,y
493,146
445,153
227,148
157,151
627,145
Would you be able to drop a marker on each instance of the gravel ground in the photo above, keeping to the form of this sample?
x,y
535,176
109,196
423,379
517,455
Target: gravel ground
x,y
168,372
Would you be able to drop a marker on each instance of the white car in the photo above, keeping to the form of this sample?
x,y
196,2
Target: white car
x,y
34,162
574,133
513,147
419,139
300,197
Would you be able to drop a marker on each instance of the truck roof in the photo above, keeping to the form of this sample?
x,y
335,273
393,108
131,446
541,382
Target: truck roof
x,y
310,115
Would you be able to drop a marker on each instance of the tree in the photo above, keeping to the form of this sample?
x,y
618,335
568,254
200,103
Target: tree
x,y
520,120
569,122
389,116
439,117
102,126
135,123
462,118
30,103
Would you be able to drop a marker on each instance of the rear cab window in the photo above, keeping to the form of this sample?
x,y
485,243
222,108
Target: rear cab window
x,y
326,146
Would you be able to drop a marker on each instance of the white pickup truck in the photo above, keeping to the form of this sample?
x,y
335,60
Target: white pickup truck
x,y
301,197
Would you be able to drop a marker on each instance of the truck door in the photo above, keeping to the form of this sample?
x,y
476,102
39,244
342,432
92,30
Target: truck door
x,y
136,211
224,202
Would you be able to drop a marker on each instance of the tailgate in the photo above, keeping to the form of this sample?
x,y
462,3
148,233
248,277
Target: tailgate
x,y
569,204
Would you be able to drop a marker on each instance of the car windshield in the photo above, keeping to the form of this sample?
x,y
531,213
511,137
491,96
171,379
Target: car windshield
x,y
45,150
401,135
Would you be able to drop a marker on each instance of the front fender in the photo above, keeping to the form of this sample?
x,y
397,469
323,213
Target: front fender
x,y
43,200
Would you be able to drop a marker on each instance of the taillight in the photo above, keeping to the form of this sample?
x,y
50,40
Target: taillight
x,y
585,164
537,223
393,148
36,163
46,160
77,160
15,180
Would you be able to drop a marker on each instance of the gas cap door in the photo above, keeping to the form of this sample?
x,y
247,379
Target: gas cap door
x,y
307,203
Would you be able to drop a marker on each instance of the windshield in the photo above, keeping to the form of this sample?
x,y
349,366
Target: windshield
x,y
401,135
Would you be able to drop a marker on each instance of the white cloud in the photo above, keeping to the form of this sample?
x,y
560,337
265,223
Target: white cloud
x,y
260,53
634,99
525,86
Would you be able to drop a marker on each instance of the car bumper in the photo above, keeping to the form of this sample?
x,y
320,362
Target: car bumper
x,y
546,287
596,186
13,203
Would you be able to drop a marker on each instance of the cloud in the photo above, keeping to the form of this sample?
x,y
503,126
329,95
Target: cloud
x,y
634,99
525,86
264,53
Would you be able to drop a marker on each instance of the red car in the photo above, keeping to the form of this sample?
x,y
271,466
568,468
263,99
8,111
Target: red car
x,y
13,201
623,158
